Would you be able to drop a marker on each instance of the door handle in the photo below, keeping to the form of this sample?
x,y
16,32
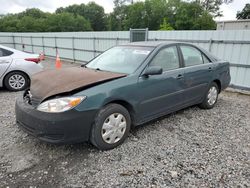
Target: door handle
x,y
180,76
4,61
210,69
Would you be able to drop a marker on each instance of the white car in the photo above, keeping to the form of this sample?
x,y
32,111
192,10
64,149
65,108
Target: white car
x,y
16,68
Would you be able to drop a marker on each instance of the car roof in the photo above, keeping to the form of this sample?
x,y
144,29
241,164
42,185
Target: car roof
x,y
155,44
150,43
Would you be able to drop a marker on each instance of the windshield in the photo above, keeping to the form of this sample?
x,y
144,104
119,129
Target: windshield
x,y
121,59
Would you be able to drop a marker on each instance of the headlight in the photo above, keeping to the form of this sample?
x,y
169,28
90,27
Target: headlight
x,y
60,104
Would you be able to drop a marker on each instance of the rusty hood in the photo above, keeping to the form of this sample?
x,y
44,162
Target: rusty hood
x,y
52,82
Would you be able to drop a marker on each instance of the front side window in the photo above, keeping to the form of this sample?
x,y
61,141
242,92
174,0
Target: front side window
x,y
121,59
191,56
167,59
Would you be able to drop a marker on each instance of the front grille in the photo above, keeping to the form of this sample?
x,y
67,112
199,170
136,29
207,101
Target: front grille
x,y
28,98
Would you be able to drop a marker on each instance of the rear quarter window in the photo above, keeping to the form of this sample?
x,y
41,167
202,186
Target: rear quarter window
x,y
4,52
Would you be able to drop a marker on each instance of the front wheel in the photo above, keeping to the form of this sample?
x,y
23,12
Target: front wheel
x,y
111,127
211,97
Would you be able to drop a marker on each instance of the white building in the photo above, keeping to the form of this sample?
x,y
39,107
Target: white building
x,y
234,25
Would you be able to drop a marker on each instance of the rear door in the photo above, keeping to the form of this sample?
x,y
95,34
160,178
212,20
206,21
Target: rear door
x,y
198,73
5,60
162,93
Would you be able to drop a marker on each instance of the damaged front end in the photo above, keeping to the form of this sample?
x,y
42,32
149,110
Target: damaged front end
x,y
53,84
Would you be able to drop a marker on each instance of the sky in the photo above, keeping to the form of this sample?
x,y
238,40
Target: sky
x,y
15,6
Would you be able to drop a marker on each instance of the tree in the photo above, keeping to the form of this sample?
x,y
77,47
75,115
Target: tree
x,y
155,13
65,22
213,6
245,13
118,17
93,12
96,16
33,12
135,17
152,14
191,16
24,22
165,25
205,22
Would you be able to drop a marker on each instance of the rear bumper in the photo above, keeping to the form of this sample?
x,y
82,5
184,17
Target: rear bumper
x,y
67,127
226,81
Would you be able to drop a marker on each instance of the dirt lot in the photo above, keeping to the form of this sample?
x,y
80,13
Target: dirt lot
x,y
190,148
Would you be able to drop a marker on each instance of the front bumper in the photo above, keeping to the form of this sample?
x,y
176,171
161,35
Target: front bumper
x,y
67,127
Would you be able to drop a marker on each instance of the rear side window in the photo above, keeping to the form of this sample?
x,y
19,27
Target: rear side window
x,y
4,52
191,56
167,59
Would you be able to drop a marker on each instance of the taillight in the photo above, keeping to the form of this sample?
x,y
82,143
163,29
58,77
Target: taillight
x,y
35,60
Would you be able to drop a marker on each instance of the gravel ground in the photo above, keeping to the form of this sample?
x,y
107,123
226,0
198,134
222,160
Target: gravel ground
x,y
190,148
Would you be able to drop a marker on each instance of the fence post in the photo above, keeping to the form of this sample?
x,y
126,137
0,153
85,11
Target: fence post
x,y
94,46
116,41
210,45
73,48
146,34
56,45
14,43
31,41
43,44
130,35
22,42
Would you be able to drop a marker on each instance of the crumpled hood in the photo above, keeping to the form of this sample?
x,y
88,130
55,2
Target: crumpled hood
x,y
52,82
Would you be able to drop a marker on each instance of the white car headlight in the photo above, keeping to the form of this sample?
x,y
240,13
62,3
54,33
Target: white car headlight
x,y
60,104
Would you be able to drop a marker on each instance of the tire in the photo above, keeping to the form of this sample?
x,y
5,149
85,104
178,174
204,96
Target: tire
x,y
209,102
111,127
22,81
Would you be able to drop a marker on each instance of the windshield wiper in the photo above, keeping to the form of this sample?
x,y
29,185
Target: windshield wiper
x,y
83,65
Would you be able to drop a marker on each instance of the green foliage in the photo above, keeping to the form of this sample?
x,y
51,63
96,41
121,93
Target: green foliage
x,y
67,22
155,13
92,12
135,17
34,20
191,16
151,14
245,13
165,25
182,15
213,6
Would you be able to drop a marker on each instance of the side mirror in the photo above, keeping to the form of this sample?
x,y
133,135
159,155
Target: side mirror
x,y
153,70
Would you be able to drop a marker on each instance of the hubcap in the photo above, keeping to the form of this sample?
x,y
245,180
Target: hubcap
x,y
16,81
114,128
212,95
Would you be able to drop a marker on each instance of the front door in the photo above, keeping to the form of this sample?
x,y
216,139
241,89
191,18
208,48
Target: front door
x,y
159,94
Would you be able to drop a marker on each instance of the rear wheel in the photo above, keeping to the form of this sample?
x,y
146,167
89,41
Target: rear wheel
x,y
16,81
211,97
111,127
